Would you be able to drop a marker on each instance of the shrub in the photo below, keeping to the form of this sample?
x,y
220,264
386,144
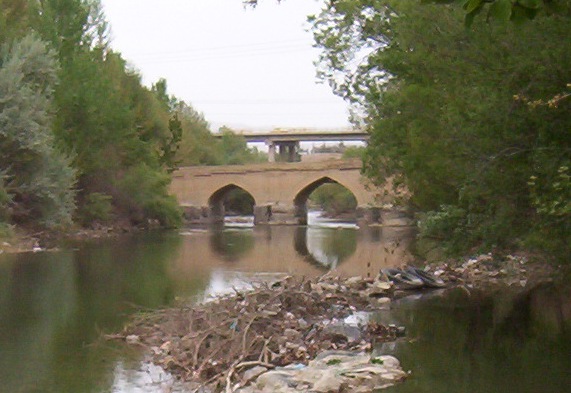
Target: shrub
x,y
97,207
143,194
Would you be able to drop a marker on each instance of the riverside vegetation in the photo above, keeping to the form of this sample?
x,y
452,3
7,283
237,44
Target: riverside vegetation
x,y
475,121
82,141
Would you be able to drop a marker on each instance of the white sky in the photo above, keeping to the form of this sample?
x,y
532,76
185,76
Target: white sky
x,y
244,68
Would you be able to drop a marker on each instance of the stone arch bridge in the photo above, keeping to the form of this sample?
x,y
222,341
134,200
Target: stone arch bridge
x,y
280,190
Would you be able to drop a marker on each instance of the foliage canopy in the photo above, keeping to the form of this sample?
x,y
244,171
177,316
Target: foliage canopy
x,y
77,126
467,118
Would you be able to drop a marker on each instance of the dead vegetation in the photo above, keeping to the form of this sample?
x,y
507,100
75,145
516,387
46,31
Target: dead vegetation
x,y
275,324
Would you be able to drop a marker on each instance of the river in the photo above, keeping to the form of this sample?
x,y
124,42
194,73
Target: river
x,y
55,305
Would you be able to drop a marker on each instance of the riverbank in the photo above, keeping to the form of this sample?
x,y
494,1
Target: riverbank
x,y
489,271
16,239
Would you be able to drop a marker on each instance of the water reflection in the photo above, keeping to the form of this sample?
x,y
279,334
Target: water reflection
x,y
54,305
298,250
487,342
324,246
232,244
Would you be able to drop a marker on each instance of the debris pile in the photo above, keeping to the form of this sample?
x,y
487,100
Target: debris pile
x,y
487,270
220,343
331,371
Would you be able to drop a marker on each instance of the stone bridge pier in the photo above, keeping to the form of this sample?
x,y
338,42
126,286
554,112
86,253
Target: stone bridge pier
x,y
280,190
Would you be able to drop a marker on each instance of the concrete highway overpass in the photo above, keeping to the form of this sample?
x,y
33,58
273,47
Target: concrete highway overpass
x,y
285,142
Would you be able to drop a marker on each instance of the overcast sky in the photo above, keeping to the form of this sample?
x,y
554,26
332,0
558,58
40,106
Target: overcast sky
x,y
245,68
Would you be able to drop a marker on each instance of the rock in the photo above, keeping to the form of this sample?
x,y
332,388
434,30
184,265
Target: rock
x,y
382,285
329,382
302,323
332,372
166,346
379,289
274,381
292,335
353,280
328,287
254,373
339,331
132,339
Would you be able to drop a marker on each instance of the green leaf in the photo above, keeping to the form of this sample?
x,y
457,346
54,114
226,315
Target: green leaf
x,y
437,1
531,4
472,5
501,10
469,19
521,14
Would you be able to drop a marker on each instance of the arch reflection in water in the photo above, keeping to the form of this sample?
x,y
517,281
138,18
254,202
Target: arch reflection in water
x,y
232,244
325,247
284,249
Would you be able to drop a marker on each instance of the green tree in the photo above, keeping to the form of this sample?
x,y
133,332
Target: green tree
x,y
37,179
116,129
508,10
14,19
439,103
197,146
235,151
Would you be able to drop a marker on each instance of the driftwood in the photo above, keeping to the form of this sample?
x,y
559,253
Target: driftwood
x,y
215,342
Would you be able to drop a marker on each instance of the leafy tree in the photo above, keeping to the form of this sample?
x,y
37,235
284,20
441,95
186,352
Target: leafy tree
x,y
235,151
197,146
353,152
37,179
14,19
439,103
505,10
111,124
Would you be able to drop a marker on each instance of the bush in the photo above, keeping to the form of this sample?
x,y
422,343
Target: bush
x,y
551,197
97,207
443,227
40,179
354,152
143,194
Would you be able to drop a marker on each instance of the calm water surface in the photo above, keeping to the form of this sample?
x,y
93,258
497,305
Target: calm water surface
x,y
55,305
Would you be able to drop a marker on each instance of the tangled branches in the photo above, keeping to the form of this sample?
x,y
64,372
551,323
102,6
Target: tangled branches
x,y
273,325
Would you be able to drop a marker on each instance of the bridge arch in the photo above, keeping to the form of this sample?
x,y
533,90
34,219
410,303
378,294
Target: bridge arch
x,y
216,201
276,189
301,197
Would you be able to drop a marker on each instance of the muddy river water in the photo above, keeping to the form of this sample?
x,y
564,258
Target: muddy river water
x,y
54,306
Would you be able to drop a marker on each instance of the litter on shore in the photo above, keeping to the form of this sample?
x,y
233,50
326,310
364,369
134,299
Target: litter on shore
x,y
230,342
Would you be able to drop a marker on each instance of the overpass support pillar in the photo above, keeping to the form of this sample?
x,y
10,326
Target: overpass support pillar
x,y
271,151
